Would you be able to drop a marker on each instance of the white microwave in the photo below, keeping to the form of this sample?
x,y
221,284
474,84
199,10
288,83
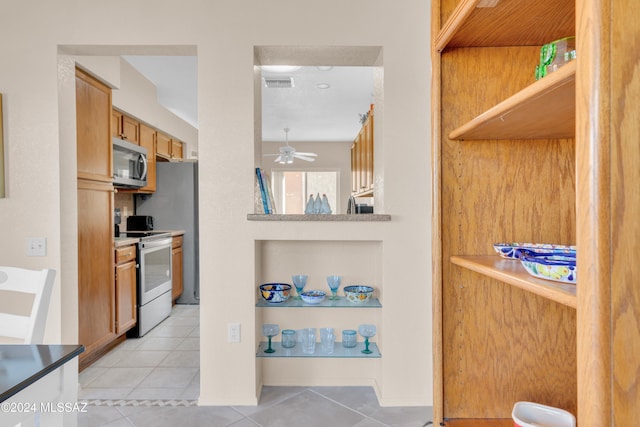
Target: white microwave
x,y
129,164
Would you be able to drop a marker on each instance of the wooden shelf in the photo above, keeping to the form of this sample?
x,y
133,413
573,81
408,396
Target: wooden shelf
x,y
545,109
508,23
513,273
476,422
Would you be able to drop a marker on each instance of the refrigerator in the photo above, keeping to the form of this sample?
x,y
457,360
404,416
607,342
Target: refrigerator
x,y
174,206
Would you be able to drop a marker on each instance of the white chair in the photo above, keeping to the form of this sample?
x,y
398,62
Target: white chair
x,y
24,303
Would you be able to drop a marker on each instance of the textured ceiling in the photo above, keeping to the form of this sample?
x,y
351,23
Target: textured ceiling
x,y
312,114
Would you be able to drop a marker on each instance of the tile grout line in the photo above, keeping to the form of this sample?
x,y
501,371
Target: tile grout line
x,y
347,407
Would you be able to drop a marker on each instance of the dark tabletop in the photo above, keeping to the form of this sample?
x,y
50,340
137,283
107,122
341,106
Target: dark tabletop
x,y
22,365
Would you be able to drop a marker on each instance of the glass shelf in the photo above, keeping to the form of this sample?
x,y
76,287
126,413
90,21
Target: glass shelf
x,y
342,302
338,351
329,218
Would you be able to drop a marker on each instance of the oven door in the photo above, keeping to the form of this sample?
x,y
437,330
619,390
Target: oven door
x,y
155,269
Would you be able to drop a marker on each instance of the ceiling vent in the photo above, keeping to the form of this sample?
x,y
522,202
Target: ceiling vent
x,y
278,82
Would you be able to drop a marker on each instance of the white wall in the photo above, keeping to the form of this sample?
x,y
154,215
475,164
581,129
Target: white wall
x,y
40,157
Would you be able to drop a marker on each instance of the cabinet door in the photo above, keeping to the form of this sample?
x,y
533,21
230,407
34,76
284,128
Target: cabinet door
x,y
130,129
93,128
116,124
163,145
176,149
148,141
177,272
125,297
96,296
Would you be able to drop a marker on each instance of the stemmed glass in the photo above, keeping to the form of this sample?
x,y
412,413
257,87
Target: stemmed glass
x,y
334,284
270,330
367,331
299,281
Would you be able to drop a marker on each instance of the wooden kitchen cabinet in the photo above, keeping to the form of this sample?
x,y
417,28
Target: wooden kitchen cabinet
x,y
96,298
177,149
534,161
168,148
362,159
125,127
93,112
163,146
177,271
125,288
148,141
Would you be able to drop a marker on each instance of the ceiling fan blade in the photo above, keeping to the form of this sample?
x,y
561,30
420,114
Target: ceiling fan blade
x,y
307,154
308,159
269,155
278,159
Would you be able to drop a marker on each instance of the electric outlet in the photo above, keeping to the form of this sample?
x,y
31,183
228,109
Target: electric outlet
x,y
234,332
36,246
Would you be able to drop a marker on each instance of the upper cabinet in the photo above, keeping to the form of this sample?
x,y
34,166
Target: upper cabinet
x,y
362,159
148,141
169,148
125,127
93,110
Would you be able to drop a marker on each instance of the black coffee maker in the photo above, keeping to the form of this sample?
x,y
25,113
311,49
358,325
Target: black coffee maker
x,y
117,219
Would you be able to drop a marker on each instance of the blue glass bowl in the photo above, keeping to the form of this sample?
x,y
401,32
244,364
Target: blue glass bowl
x,y
558,268
275,292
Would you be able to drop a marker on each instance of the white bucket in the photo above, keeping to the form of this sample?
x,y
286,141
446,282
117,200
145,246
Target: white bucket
x,y
529,414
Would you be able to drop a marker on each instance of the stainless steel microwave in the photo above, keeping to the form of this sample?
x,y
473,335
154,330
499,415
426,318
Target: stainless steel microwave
x,y
129,164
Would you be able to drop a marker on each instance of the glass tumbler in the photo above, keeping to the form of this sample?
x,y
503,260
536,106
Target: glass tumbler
x,y
327,340
288,338
349,338
308,340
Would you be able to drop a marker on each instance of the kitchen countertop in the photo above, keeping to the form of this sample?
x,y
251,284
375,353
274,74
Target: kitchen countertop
x,y
23,365
119,242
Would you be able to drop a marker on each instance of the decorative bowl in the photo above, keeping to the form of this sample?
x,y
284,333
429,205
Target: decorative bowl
x,y
555,267
513,250
358,294
529,414
275,292
312,297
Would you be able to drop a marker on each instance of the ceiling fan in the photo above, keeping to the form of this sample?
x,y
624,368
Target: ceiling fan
x,y
288,153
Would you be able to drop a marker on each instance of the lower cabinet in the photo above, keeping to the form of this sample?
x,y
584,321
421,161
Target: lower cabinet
x,y
125,288
176,259
96,304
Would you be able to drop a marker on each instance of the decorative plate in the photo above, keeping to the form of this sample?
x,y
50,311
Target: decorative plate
x,y
555,267
511,250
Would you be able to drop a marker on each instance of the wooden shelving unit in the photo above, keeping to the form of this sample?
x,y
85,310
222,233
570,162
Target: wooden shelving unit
x,y
545,161
505,168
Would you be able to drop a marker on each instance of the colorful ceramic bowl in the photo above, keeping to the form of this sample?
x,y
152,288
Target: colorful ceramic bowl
x,y
512,250
275,292
312,297
555,267
358,294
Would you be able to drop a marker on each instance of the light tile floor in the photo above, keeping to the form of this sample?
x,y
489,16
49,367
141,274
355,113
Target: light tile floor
x,y
154,381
